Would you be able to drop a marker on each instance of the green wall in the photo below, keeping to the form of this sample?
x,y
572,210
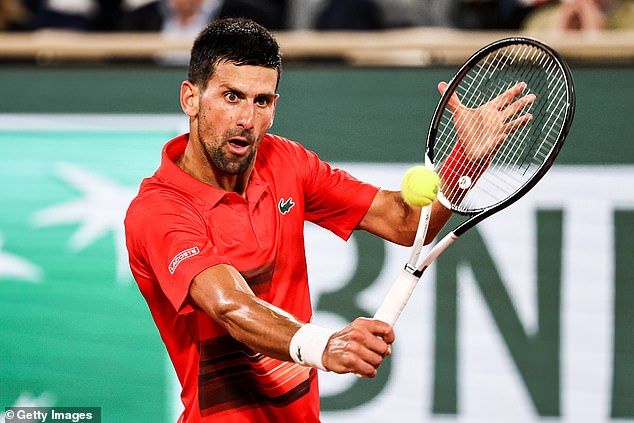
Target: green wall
x,y
346,114
73,324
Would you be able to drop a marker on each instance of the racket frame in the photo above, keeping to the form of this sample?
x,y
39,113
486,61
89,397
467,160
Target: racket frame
x,y
478,215
408,278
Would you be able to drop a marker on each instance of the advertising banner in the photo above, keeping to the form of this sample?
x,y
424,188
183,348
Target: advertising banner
x,y
527,318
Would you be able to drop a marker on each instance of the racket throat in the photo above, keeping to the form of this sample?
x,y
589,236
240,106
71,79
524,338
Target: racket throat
x,y
418,272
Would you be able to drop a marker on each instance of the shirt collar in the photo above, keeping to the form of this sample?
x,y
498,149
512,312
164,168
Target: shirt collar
x,y
208,194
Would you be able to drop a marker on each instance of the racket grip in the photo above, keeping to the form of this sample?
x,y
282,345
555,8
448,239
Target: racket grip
x,y
396,298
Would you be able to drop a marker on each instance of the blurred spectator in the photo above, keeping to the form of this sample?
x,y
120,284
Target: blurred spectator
x,y
190,16
384,14
464,14
583,15
13,16
493,14
108,16
90,15
354,15
171,16
435,12
512,13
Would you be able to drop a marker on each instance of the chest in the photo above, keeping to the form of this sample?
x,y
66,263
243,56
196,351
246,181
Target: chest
x,y
254,232
241,228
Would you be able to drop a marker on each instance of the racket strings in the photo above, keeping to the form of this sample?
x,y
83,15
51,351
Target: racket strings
x,y
482,74
548,120
526,148
502,158
469,90
516,150
543,150
477,99
505,158
543,120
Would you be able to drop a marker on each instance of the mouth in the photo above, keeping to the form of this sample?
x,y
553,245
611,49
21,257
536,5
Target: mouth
x,y
238,146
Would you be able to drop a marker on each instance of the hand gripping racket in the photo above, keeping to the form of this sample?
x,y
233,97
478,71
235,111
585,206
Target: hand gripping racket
x,y
496,131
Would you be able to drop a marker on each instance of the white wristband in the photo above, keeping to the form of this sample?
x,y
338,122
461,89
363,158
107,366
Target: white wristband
x,y
308,345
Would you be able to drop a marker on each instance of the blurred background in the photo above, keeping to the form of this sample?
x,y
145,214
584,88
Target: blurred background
x,y
529,318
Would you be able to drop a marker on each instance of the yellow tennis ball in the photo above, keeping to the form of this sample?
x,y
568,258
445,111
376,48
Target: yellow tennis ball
x,y
420,186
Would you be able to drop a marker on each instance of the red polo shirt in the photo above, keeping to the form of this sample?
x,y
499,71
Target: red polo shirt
x,y
177,226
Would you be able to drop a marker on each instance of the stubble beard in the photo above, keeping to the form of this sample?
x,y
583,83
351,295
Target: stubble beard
x,y
226,162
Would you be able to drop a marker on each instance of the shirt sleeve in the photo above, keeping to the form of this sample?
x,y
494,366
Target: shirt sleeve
x,y
174,243
334,199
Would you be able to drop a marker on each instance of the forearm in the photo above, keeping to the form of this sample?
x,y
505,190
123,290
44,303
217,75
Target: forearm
x,y
438,219
440,215
224,295
260,326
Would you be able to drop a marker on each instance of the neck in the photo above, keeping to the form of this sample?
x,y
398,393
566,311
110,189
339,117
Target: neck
x,y
194,162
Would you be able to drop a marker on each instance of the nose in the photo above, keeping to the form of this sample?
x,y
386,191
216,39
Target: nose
x,y
245,120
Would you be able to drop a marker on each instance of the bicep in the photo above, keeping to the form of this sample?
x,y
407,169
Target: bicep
x,y
391,218
169,238
334,199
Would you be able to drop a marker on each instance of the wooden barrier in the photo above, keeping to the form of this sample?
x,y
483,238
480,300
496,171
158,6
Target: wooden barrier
x,y
407,47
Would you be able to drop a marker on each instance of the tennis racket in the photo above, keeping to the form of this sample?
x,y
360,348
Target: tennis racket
x,y
496,131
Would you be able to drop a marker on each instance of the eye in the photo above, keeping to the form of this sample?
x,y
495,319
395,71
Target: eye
x,y
231,96
262,101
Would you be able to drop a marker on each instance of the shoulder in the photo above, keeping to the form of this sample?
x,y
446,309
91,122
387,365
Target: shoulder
x,y
278,144
276,148
157,203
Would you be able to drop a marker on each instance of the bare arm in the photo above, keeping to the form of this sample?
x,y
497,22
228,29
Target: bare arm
x,y
225,296
391,218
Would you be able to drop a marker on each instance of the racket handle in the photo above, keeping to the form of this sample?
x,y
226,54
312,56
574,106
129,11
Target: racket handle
x,y
397,297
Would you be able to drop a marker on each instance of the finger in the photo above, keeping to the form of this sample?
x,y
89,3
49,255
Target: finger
x,y
371,324
519,105
518,123
389,335
377,345
355,352
507,96
454,101
345,356
371,357
362,368
382,329
442,87
368,371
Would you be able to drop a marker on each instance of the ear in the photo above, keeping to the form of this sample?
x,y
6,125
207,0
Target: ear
x,y
189,97
277,96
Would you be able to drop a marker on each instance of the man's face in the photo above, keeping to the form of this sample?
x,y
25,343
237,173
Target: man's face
x,y
235,111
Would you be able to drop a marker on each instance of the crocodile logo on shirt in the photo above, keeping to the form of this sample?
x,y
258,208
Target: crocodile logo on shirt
x,y
285,205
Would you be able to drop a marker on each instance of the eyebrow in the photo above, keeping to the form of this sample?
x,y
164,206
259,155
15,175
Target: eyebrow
x,y
243,94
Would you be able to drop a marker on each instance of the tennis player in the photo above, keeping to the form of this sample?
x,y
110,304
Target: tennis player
x,y
216,245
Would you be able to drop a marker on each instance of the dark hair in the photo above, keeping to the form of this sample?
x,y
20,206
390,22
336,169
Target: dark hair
x,y
235,40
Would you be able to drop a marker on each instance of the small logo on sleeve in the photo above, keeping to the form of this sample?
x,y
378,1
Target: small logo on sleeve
x,y
285,205
178,258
